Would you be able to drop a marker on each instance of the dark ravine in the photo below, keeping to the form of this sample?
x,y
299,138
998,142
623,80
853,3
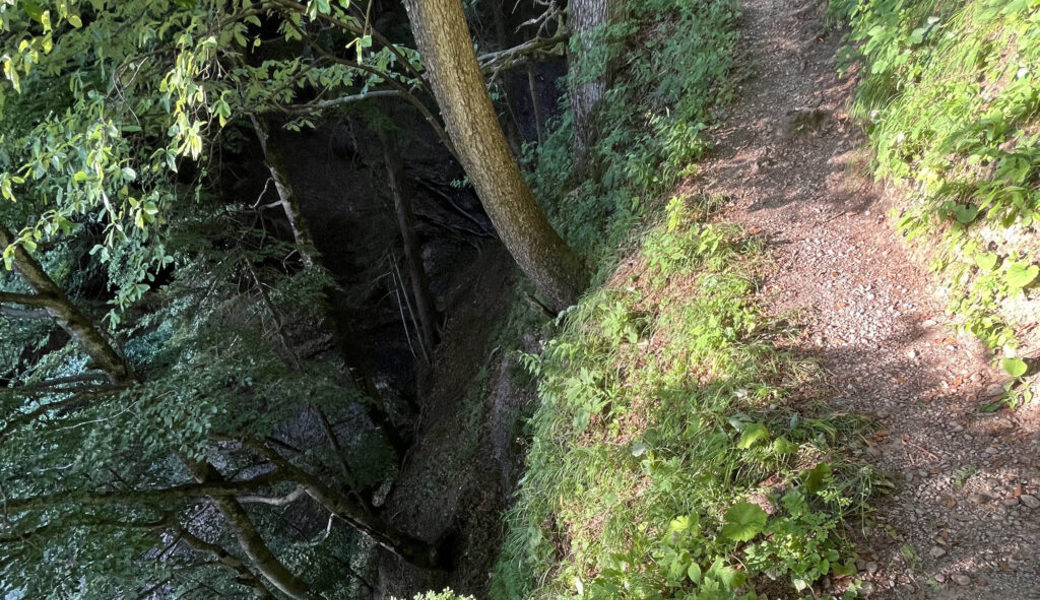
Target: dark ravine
x,y
452,419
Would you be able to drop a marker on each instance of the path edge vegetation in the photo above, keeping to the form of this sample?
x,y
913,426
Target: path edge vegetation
x,y
949,99
676,449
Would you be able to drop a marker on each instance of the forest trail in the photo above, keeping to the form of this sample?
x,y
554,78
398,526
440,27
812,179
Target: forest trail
x,y
964,518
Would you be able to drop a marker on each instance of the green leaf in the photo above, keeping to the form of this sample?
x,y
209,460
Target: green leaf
x,y
684,523
694,573
751,434
729,577
965,213
986,260
33,10
1015,367
784,446
1020,274
744,521
815,477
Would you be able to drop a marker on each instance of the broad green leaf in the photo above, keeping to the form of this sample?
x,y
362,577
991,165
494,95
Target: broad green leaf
x,y
33,10
986,260
751,434
694,572
744,521
1015,367
1020,274
815,477
784,446
729,577
965,213
684,523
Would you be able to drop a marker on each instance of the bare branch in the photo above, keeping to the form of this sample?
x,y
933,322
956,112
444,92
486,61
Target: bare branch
x,y
289,498
26,299
51,297
529,51
346,26
21,313
297,109
245,575
214,489
19,419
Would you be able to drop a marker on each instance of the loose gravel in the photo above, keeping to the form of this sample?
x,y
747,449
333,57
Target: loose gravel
x,y
964,519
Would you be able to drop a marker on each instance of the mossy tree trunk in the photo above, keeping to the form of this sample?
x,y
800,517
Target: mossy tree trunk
x,y
443,39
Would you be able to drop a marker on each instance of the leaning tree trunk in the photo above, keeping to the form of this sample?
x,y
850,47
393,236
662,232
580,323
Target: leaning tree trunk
x,y
589,71
443,39
50,297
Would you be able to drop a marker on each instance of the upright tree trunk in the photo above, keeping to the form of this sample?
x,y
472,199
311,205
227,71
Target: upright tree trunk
x,y
536,103
589,76
50,297
413,259
286,197
440,32
510,123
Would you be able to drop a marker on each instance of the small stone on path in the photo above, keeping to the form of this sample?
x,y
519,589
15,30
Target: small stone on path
x,y
937,552
960,579
1030,500
979,498
992,390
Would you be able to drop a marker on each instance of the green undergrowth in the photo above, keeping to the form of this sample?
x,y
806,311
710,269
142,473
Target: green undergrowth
x,y
677,450
673,62
670,457
951,99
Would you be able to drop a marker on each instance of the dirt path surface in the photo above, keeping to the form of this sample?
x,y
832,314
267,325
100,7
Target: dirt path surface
x,y
964,519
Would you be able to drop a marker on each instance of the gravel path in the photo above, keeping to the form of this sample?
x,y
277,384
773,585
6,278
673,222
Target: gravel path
x,y
964,519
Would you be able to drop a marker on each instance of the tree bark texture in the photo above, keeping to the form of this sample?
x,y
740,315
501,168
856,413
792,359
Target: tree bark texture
x,y
443,39
588,78
50,297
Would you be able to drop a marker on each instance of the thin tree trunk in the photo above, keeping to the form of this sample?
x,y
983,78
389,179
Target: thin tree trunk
x,y
443,38
286,195
536,104
510,124
50,297
424,305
